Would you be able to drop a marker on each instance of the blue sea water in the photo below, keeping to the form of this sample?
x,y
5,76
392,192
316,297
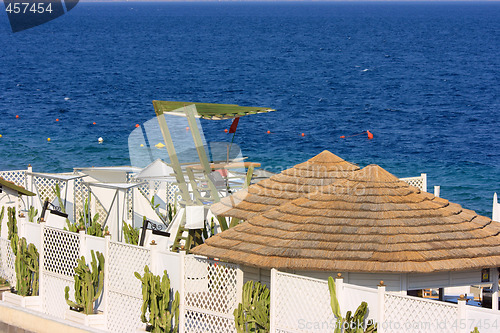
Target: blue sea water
x,y
424,78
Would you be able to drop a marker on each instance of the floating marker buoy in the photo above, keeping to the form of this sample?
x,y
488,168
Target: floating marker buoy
x,y
48,139
268,132
342,136
93,123
100,140
57,119
17,116
159,145
187,128
142,145
303,134
0,135
136,125
225,130
66,98
370,135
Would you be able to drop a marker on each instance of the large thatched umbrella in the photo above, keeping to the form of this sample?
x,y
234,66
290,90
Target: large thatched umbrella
x,y
369,222
293,183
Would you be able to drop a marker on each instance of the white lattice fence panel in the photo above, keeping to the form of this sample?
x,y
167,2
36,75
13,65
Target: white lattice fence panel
x,y
18,177
53,293
302,303
173,194
201,322
411,314
103,213
46,186
210,285
125,289
80,194
7,261
124,313
61,251
416,181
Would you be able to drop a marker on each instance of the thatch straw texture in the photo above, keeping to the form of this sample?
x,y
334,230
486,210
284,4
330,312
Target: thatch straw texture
x,y
293,183
369,222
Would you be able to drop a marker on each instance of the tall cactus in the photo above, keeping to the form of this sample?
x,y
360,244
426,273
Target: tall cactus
x,y
252,314
1,217
351,323
131,234
157,299
32,213
26,266
11,222
88,284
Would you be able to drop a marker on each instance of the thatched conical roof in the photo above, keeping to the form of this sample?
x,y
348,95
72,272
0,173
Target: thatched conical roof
x,y
323,169
370,222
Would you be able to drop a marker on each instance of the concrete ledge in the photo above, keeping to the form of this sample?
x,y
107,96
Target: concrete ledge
x,y
34,321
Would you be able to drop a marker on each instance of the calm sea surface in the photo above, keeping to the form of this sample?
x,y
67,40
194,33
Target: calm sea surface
x,y
424,78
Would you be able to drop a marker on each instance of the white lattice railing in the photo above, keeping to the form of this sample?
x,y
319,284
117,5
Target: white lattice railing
x,y
125,294
420,182
294,297
211,293
18,177
413,314
7,261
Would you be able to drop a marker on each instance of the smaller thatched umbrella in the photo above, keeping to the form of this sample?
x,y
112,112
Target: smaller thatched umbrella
x,y
293,183
369,222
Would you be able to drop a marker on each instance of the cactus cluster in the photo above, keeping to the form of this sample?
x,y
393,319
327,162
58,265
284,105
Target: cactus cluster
x,y
351,323
157,299
26,266
32,213
252,314
11,222
88,284
131,234
1,217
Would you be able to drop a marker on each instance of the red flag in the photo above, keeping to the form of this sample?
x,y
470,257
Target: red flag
x,y
232,129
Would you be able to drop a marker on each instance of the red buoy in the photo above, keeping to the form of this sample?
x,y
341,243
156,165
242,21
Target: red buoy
x,y
136,125
370,135
268,132
225,130
303,134
342,136
17,116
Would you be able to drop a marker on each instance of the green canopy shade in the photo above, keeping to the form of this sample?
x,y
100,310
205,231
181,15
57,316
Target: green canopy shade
x,y
21,190
208,110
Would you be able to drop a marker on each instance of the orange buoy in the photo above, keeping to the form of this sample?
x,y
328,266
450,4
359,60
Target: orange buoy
x,y
225,130
93,123
370,135
57,119
342,136
268,132
303,134
136,125
17,116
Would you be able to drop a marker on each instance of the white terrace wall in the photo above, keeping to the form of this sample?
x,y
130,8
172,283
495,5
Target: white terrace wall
x,y
209,290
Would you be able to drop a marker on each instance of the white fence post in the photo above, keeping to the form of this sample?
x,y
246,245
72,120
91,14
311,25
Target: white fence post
x,y
494,289
239,286
29,186
462,315
182,293
424,181
41,270
339,290
437,191
381,307
83,243
272,306
107,239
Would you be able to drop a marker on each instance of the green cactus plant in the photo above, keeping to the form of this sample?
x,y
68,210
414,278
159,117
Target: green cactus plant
x,y
351,323
131,234
157,299
252,314
32,213
1,217
26,266
88,284
475,330
11,222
